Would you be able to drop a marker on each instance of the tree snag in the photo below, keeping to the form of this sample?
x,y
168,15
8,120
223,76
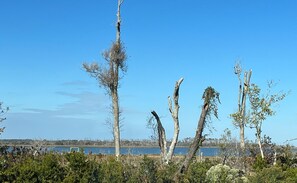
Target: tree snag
x,y
109,76
209,108
239,118
166,156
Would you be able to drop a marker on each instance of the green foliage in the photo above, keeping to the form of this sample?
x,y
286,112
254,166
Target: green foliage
x,y
291,175
223,173
262,106
50,168
268,175
112,171
286,158
197,171
166,173
212,98
259,163
77,167
147,171
227,147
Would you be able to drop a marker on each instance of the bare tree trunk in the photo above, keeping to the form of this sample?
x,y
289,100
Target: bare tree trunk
x,y
118,24
197,140
162,138
174,114
116,126
242,94
258,135
115,98
167,156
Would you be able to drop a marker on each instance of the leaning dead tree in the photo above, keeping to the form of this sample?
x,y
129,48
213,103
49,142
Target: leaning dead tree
x,y
209,108
239,117
166,156
109,76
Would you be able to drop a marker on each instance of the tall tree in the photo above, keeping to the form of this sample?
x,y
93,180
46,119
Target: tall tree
x,y
261,108
166,156
209,108
239,117
109,76
2,111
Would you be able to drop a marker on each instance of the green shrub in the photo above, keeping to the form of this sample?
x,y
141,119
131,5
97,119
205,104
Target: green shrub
x,y
51,169
197,171
27,172
80,169
146,172
166,173
290,175
223,173
259,163
112,171
268,175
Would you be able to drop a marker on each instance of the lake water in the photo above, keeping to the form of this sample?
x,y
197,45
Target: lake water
x,y
206,151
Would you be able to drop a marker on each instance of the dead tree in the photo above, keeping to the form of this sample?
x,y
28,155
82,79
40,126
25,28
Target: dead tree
x,y
209,108
166,156
239,118
109,76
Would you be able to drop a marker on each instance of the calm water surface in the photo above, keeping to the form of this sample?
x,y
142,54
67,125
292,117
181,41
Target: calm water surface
x,y
206,151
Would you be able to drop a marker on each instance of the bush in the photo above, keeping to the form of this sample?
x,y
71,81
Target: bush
x,y
259,163
197,171
166,173
79,169
112,171
51,169
268,175
145,171
291,175
223,173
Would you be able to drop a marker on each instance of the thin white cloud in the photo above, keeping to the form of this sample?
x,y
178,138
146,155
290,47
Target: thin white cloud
x,y
85,105
75,83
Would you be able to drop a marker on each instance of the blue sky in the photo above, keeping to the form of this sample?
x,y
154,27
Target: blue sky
x,y
44,43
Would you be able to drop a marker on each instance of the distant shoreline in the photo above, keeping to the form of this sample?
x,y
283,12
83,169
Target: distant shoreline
x,y
103,146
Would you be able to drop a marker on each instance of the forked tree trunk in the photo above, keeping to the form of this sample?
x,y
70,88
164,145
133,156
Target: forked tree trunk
x,y
243,92
167,156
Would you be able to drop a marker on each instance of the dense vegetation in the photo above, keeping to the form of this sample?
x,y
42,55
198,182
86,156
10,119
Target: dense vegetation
x,y
28,165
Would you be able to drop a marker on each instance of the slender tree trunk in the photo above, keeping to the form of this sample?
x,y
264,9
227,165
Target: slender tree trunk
x,y
114,91
118,24
174,113
241,133
197,140
116,126
258,135
243,92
